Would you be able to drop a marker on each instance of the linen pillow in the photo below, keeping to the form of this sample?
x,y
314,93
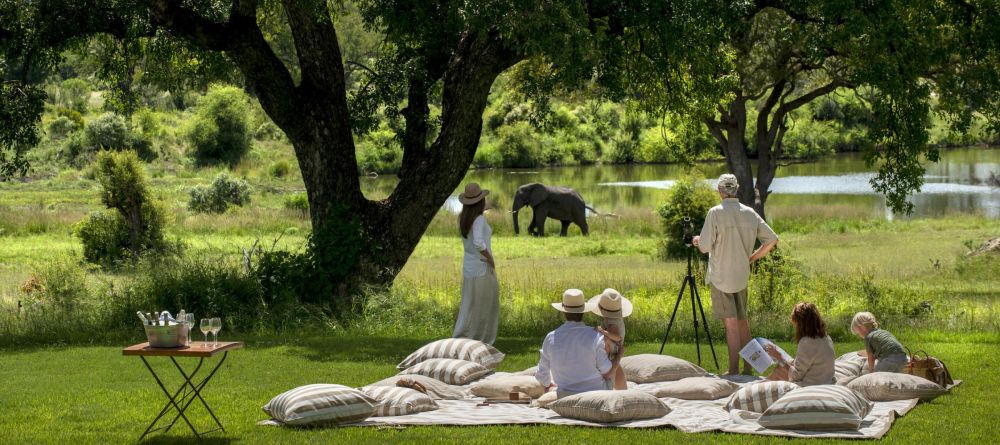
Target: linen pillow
x,y
320,404
887,386
818,407
436,389
530,371
399,401
757,397
610,406
846,368
695,388
501,387
544,400
455,348
648,368
449,370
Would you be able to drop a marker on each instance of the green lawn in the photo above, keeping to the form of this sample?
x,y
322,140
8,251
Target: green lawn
x,y
92,394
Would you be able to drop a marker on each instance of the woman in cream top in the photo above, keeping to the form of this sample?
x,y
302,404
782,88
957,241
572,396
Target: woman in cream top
x,y
479,311
814,355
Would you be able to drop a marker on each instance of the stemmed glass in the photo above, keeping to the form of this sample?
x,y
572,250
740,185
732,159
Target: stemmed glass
x,y
206,327
216,327
189,321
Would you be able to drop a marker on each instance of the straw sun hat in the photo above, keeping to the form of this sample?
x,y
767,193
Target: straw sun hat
x,y
573,302
612,304
473,194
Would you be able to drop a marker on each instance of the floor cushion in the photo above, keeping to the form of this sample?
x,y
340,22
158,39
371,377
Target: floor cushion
x,y
450,371
320,404
455,348
436,389
695,388
888,386
399,401
610,406
648,368
817,407
756,397
544,400
502,386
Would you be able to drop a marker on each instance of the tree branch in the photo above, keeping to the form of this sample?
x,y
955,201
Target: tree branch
x,y
317,48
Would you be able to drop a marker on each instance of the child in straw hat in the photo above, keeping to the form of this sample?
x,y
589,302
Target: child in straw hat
x,y
613,308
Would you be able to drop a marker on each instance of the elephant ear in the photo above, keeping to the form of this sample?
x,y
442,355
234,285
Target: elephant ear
x,y
537,195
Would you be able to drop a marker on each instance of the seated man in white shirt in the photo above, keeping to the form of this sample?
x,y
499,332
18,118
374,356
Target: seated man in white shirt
x,y
573,357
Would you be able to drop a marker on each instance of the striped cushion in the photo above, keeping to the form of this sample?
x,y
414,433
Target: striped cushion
x,y
398,401
757,397
436,389
502,386
818,407
648,368
845,368
450,371
695,388
887,386
456,348
610,406
321,404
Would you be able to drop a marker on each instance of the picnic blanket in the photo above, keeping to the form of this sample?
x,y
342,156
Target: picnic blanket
x,y
689,416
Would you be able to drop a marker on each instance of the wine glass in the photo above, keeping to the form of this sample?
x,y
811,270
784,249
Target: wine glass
x,y
216,327
206,327
189,321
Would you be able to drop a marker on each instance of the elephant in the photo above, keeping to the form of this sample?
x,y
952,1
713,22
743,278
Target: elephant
x,y
562,203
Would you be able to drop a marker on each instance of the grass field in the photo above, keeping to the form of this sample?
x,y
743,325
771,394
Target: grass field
x,y
58,394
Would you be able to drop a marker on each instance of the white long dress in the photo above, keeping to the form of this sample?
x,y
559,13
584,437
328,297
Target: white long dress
x,y
479,312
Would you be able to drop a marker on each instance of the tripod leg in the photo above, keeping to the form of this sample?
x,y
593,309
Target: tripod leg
x,y
704,322
672,315
694,317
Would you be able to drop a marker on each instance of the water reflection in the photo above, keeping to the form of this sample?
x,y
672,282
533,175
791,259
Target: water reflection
x,y
953,185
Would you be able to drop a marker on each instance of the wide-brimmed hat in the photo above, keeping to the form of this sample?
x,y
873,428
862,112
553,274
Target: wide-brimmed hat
x,y
573,302
472,194
611,304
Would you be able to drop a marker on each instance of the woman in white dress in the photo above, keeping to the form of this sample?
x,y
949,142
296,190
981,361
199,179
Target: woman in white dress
x,y
479,313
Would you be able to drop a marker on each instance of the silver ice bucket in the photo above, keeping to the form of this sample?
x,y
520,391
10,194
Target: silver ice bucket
x,y
173,336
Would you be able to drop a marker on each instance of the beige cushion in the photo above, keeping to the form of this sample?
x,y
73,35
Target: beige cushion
x,y
436,389
648,368
846,368
757,397
530,371
321,404
817,407
610,406
455,348
695,388
502,386
399,401
887,386
544,400
450,371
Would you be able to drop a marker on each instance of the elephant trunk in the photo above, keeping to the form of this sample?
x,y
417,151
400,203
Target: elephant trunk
x,y
514,212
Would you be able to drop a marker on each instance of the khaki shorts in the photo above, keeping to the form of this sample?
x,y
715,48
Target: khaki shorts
x,y
729,305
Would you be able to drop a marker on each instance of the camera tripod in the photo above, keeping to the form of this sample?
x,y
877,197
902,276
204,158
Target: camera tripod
x,y
695,300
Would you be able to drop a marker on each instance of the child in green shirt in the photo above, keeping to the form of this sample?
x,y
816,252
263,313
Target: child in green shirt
x,y
885,353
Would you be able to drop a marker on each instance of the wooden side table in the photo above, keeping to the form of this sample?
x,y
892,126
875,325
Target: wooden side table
x,y
182,398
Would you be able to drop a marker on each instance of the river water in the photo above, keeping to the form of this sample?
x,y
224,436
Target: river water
x,y
957,184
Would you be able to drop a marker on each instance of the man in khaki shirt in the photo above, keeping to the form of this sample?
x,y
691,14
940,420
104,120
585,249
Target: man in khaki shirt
x,y
728,237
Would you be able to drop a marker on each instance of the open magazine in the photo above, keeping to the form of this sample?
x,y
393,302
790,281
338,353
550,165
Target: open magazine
x,y
755,354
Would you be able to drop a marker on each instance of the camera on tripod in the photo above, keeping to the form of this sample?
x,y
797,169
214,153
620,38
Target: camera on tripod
x,y
688,227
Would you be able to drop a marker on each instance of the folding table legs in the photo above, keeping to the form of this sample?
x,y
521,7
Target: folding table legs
x,y
180,402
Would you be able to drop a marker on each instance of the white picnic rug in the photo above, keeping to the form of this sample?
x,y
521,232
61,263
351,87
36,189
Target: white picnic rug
x,y
689,416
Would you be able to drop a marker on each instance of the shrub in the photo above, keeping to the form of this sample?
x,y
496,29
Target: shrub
x,y
133,223
61,127
689,197
217,197
220,131
108,132
72,115
74,93
380,152
279,169
268,131
298,201
518,146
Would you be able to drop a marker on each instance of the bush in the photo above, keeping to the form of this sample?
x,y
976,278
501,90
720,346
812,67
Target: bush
x,y
133,223
279,169
689,197
298,201
518,146
61,127
219,131
72,115
107,132
217,197
380,152
62,284
74,93
268,131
